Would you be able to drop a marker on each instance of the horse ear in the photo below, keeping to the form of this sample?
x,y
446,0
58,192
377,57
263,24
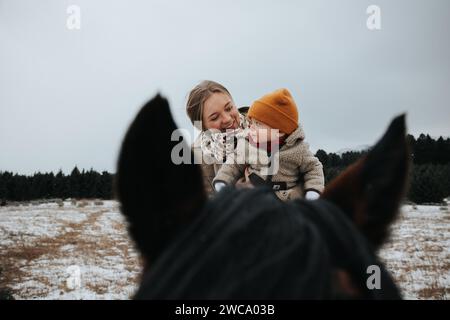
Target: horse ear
x,y
158,197
371,190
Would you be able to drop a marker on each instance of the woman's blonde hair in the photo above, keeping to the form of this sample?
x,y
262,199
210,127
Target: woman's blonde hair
x,y
198,96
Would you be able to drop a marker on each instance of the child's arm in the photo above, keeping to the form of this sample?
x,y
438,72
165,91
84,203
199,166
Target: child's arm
x,y
312,169
228,174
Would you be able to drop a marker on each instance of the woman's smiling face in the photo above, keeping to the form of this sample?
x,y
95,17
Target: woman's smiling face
x,y
219,112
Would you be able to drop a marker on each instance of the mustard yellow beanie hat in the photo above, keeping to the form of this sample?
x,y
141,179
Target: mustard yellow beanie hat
x,y
276,109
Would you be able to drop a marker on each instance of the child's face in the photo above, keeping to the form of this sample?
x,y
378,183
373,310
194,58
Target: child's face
x,y
261,132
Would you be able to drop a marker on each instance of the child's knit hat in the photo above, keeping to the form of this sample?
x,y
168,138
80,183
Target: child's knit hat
x,y
277,110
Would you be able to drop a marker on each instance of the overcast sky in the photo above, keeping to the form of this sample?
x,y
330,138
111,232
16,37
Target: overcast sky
x,y
68,96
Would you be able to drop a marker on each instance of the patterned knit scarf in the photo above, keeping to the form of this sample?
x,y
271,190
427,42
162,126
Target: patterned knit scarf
x,y
218,145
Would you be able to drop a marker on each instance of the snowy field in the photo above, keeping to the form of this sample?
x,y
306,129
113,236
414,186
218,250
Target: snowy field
x,y
77,251
81,250
418,253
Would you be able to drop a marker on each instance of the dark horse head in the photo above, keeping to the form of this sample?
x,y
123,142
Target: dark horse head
x,y
246,243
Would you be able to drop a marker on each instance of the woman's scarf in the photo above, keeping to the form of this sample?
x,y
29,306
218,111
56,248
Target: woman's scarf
x,y
218,145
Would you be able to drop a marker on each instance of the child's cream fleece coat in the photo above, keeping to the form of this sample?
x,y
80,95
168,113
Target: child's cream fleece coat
x,y
298,167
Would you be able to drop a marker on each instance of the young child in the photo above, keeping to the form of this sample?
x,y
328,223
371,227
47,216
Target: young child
x,y
274,153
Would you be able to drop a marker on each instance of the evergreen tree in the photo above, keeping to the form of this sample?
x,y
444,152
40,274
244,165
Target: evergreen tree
x,y
74,183
3,194
426,185
323,157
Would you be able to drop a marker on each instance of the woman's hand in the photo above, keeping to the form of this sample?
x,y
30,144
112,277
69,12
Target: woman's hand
x,y
246,174
244,182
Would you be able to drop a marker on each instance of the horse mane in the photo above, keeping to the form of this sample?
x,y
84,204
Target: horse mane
x,y
245,249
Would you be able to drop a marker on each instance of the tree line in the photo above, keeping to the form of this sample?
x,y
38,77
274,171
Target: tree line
x,y
429,177
430,170
84,184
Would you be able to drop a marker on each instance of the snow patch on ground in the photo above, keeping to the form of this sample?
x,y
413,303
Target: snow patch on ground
x,y
69,252
418,253
73,252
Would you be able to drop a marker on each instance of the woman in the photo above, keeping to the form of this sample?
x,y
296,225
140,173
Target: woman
x,y
212,110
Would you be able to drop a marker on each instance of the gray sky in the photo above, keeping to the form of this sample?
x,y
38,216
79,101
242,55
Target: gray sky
x,y
68,96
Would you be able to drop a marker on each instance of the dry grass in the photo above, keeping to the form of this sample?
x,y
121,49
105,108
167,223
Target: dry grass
x,y
434,291
418,254
96,239
89,244
82,204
